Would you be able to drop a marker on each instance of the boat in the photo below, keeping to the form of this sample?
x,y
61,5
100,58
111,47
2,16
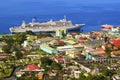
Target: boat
x,y
49,26
106,27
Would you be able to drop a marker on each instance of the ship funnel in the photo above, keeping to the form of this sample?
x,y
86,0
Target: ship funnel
x,y
23,24
64,18
51,20
34,20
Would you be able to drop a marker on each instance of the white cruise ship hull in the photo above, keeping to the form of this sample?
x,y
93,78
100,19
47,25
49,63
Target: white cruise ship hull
x,y
50,26
42,29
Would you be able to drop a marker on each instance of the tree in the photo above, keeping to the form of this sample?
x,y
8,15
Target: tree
x,y
108,51
99,77
56,66
19,38
118,47
107,72
29,32
8,39
18,55
81,76
46,61
6,48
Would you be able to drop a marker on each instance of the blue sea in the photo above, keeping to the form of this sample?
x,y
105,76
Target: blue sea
x,y
93,13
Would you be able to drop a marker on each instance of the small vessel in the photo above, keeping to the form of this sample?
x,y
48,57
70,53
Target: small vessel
x,y
50,26
106,27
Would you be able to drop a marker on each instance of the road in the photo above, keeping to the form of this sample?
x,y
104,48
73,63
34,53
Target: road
x,y
12,77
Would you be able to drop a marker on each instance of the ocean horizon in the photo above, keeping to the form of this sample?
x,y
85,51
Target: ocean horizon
x,y
91,13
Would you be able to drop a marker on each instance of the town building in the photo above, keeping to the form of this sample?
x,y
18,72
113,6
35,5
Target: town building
x,y
61,32
48,49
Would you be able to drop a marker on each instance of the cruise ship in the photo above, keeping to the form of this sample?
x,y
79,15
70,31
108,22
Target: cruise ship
x,y
106,27
50,26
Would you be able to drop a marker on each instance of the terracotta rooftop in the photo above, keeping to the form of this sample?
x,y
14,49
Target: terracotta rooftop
x,y
116,42
116,52
4,54
32,67
59,59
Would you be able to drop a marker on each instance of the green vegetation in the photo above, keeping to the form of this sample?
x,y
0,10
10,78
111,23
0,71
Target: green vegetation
x,y
108,51
56,66
103,75
99,77
5,70
43,35
38,51
18,55
48,64
107,72
87,76
28,77
46,61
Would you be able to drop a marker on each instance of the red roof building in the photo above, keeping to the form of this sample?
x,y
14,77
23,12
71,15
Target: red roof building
x,y
60,42
116,52
100,49
59,60
115,42
102,55
3,56
32,67
73,33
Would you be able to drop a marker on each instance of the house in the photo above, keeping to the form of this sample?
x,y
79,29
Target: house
x,y
88,56
98,52
69,36
61,32
4,56
1,45
59,60
83,39
116,77
71,42
64,48
114,31
114,67
72,53
51,73
76,74
102,55
31,37
74,33
32,67
40,76
56,42
115,42
19,73
75,71
115,53
60,42
28,42
99,59
48,49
